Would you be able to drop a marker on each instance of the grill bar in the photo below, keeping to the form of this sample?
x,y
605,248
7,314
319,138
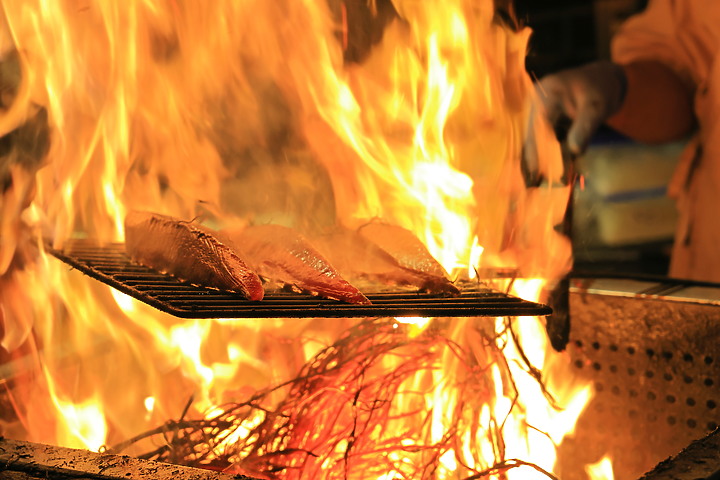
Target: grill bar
x,y
110,265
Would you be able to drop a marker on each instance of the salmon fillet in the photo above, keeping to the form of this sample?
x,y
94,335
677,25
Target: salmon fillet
x,y
283,255
410,254
189,252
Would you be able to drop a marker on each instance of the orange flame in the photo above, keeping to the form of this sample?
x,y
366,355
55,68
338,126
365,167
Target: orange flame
x,y
602,470
180,107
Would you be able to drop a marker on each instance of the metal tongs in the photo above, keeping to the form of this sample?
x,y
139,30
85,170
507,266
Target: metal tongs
x,y
558,322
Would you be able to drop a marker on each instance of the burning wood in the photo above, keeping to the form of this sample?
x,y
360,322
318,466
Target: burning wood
x,y
281,254
34,461
189,252
358,409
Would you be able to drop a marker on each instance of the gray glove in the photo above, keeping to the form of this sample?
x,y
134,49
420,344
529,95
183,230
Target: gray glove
x,y
586,97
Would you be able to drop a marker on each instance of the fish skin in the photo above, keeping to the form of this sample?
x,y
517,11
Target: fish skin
x,y
189,252
358,259
411,254
354,255
281,254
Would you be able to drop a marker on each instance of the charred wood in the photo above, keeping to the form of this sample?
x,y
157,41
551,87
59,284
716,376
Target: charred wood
x,y
31,461
700,460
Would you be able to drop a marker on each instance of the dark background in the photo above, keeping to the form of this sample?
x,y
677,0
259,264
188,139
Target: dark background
x,y
571,32
568,33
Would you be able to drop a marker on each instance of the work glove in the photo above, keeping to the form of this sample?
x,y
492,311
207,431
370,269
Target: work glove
x,y
579,100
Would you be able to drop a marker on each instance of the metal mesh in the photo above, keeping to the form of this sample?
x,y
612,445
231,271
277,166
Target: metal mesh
x,y
111,265
654,360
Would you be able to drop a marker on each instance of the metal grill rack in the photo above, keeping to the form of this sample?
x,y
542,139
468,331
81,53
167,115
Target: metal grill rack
x,y
109,264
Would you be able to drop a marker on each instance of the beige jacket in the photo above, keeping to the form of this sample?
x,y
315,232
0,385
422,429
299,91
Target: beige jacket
x,y
685,35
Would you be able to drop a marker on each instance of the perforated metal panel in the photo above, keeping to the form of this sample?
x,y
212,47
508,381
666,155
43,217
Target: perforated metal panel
x,y
654,359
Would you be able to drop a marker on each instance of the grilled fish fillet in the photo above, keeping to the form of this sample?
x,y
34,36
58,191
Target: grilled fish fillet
x,y
410,254
189,252
359,259
283,255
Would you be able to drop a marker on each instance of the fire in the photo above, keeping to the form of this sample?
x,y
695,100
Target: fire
x,y
82,425
602,470
184,108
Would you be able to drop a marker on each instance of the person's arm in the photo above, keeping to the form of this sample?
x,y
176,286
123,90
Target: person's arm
x,y
657,106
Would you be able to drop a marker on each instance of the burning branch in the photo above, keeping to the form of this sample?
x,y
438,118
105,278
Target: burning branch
x,y
507,465
372,402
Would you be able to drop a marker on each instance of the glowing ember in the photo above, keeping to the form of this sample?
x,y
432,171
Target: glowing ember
x,y
298,112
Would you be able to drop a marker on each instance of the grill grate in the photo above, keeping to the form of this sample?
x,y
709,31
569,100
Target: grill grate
x,y
110,265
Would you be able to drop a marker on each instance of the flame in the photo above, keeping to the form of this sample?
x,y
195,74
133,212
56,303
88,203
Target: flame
x,y
81,424
183,108
602,470
399,165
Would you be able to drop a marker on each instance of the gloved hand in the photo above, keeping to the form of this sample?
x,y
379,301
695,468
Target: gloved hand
x,y
586,96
